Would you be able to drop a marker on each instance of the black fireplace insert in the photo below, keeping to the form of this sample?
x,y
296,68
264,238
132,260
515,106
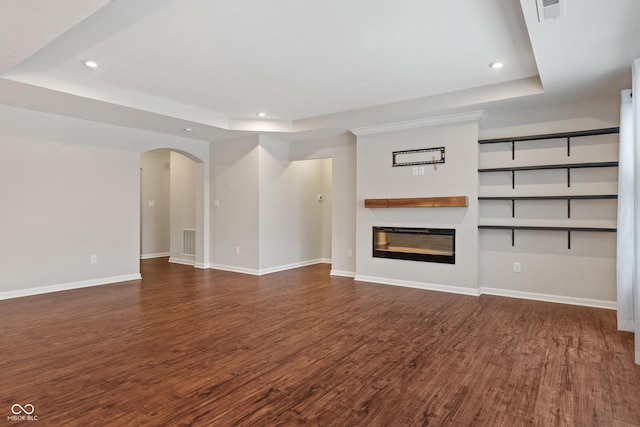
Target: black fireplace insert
x,y
415,244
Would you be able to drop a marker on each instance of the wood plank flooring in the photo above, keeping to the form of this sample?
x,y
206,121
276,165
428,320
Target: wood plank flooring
x,y
210,348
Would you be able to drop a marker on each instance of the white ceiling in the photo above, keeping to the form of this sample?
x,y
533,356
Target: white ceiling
x,y
314,67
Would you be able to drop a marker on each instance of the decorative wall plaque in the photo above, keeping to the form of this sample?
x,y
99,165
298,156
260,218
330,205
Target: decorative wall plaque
x,y
422,156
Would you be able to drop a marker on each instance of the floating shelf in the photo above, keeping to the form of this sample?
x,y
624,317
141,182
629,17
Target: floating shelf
x,y
567,198
418,202
567,166
558,166
561,135
552,136
578,197
536,227
513,229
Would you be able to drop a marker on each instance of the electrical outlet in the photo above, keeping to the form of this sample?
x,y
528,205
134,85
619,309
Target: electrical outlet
x,y
349,253
94,259
237,250
516,267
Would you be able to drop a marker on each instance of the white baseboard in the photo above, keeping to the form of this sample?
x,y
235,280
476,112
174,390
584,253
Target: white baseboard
x,y
418,285
182,261
158,255
189,262
270,270
292,266
202,265
342,273
234,269
626,325
68,286
610,305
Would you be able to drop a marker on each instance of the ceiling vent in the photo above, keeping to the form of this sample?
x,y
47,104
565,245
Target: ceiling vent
x,y
550,9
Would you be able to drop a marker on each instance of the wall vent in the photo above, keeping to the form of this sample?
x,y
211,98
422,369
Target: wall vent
x,y
550,9
188,241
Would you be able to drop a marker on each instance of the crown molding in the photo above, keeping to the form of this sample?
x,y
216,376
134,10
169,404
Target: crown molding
x,y
478,115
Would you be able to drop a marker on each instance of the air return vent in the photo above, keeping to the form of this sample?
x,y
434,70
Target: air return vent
x,y
188,241
550,9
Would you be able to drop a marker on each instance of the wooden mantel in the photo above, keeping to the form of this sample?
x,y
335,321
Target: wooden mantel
x,y
418,202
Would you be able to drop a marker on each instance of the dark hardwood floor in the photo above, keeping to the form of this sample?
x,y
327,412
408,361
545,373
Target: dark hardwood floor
x,y
210,348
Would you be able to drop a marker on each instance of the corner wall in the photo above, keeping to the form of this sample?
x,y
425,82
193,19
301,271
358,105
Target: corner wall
x,y
234,205
291,218
266,216
341,150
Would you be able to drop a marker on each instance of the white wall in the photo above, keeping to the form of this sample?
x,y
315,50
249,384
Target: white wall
x,y
584,274
71,189
458,176
326,191
61,204
154,220
291,217
342,152
275,205
267,207
234,223
183,204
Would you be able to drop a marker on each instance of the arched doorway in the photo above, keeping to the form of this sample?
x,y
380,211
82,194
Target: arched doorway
x,y
173,207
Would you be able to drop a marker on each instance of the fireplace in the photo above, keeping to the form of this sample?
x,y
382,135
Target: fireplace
x,y
415,244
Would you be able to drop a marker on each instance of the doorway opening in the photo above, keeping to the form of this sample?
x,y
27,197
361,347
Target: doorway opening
x,y
315,182
169,193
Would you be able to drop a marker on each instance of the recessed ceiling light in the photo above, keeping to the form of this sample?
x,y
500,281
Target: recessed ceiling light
x,y
262,114
91,64
187,129
496,65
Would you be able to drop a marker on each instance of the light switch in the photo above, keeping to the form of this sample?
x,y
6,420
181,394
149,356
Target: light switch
x,y
152,203
216,203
